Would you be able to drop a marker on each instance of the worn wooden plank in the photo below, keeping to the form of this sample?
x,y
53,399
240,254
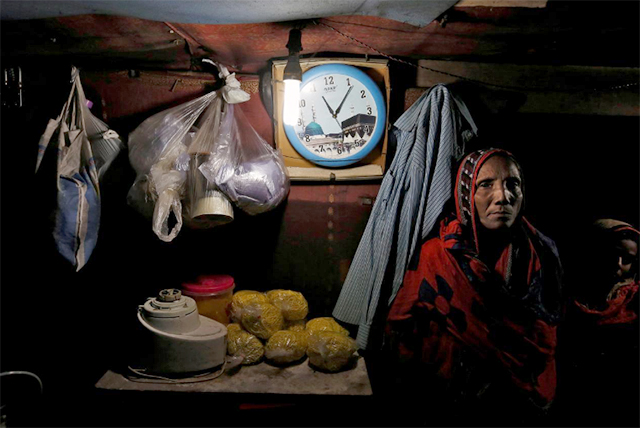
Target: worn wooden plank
x,y
547,89
262,378
502,3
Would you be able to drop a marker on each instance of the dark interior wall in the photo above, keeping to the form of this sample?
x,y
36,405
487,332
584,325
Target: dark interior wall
x,y
69,327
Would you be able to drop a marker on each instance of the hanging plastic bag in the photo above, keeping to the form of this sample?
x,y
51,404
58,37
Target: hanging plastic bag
x,y
77,217
105,142
155,149
173,164
245,167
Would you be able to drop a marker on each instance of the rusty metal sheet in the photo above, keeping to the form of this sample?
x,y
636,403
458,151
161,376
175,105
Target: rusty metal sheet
x,y
102,41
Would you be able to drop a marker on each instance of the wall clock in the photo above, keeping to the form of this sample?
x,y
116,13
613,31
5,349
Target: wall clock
x,y
341,116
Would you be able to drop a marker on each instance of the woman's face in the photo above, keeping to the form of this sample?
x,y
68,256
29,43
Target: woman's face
x,y
498,196
626,259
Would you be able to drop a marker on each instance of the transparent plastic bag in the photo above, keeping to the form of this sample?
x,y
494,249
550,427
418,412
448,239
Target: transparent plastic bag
x,y
155,149
106,144
318,325
262,319
292,303
243,344
245,167
242,299
297,325
330,351
207,169
286,346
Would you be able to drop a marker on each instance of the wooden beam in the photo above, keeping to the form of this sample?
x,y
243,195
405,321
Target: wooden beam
x,y
611,91
502,3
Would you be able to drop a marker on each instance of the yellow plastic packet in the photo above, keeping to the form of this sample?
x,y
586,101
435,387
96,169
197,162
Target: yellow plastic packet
x,y
298,325
286,346
330,351
242,299
241,342
320,324
292,303
262,319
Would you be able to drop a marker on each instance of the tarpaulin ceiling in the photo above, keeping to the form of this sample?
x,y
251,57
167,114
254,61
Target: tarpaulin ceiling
x,y
560,33
415,12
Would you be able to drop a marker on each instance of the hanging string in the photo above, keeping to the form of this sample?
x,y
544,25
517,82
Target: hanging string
x,y
517,88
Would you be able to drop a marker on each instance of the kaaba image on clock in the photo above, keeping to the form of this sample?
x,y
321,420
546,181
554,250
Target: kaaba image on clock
x,y
341,116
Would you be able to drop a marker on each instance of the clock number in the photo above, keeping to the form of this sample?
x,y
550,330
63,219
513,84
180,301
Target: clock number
x,y
307,138
363,94
348,82
303,103
312,88
369,111
299,121
328,80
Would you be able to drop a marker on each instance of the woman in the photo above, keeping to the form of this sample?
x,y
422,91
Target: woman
x,y
599,354
480,311
611,280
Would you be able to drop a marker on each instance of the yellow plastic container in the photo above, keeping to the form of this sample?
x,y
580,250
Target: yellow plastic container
x,y
212,294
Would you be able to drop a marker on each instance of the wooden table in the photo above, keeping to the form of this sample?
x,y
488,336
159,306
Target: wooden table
x,y
258,395
261,378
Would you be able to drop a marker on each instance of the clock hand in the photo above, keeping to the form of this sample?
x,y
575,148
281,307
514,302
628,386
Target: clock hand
x,y
329,107
343,100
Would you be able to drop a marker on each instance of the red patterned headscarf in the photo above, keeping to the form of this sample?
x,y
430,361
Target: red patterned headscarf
x,y
465,186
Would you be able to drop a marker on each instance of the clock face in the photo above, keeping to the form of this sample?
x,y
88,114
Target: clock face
x,y
341,116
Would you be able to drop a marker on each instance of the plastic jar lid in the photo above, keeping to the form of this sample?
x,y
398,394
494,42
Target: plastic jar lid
x,y
210,284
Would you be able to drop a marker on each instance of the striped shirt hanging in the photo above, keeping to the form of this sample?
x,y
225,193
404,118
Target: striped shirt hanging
x,y
411,197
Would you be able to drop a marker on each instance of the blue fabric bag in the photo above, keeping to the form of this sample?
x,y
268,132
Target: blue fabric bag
x,y
77,218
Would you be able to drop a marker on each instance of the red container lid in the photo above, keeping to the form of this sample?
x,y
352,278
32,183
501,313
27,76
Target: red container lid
x,y
209,284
